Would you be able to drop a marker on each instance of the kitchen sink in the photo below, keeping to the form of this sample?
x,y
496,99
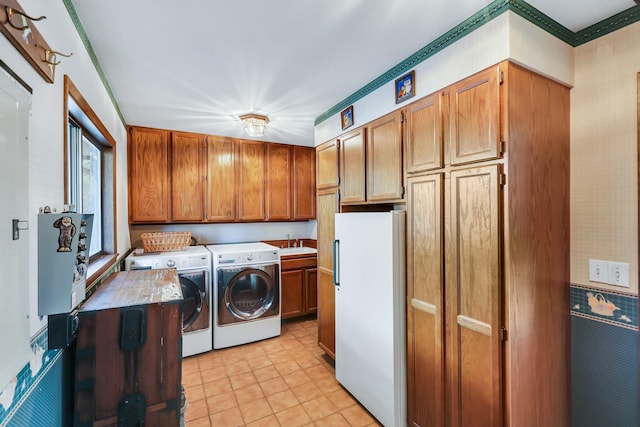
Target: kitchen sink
x,y
298,251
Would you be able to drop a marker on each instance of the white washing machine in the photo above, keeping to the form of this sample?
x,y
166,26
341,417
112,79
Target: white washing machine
x,y
194,269
246,293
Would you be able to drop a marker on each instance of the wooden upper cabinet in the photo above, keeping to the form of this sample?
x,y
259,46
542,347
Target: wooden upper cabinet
x,y
304,182
424,134
327,170
384,158
187,176
352,167
251,180
475,116
149,191
278,182
222,180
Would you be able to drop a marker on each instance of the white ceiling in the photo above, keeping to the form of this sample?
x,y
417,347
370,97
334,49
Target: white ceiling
x,y
196,65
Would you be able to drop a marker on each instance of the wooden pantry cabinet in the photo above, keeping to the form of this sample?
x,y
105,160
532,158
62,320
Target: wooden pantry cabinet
x,y
328,204
488,257
191,178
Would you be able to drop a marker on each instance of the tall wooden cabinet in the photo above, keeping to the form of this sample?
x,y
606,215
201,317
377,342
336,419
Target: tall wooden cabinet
x,y
327,156
488,254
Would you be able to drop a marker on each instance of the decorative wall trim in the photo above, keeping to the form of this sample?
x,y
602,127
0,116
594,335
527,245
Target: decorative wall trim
x,y
495,9
92,54
605,306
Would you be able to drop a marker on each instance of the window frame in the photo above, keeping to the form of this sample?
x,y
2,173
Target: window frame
x,y
88,120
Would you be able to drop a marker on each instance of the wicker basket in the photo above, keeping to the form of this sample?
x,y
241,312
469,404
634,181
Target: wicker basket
x,y
166,241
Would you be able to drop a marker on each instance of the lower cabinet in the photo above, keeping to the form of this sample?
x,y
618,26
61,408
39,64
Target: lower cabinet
x,y
299,295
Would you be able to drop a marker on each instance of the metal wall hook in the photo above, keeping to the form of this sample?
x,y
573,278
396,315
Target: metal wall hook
x,y
11,11
50,56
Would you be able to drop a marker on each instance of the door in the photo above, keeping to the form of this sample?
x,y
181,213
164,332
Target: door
x,y
475,115
370,312
251,180
474,299
278,182
221,179
352,167
384,158
327,208
423,146
149,191
187,176
425,304
195,291
15,103
247,293
304,182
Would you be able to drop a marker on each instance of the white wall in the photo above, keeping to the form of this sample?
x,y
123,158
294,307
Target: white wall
x,y
506,37
46,127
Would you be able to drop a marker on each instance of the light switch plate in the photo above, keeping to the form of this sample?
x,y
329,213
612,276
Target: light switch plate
x,y
619,274
599,271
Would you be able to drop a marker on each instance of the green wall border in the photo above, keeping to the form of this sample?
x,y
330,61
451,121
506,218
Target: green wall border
x,y
487,14
466,27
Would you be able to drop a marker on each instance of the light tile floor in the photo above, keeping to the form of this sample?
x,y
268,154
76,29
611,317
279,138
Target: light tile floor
x,y
284,381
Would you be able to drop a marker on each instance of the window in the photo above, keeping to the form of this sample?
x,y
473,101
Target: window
x,y
90,177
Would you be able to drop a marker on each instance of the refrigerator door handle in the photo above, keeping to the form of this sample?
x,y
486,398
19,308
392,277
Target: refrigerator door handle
x,y
336,262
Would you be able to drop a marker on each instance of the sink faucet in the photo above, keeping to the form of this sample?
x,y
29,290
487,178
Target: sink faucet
x,y
288,241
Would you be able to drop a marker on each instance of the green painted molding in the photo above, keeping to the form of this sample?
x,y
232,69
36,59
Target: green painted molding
x,y
87,44
614,23
492,11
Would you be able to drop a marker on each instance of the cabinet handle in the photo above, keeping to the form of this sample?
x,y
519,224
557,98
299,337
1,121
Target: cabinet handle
x,y
474,325
423,306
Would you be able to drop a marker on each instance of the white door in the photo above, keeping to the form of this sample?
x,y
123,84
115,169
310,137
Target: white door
x,y
369,307
15,102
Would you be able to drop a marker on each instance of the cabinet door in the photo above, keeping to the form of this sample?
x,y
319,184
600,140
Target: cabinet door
x,y
384,158
425,302
251,180
326,313
352,167
292,291
149,190
327,165
475,115
278,182
311,290
187,176
221,179
327,207
304,182
423,145
474,298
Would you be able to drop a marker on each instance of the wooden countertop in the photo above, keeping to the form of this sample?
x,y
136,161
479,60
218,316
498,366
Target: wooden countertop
x,y
127,288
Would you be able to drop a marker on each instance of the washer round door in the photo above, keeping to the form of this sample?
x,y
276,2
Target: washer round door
x,y
192,304
248,293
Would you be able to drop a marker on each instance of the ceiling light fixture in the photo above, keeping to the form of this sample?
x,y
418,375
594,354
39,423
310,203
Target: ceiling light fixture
x,y
254,124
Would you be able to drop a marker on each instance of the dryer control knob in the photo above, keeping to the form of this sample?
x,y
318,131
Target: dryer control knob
x,y
171,263
249,257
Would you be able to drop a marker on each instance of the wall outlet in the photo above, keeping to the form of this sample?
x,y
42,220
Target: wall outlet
x,y
619,274
599,271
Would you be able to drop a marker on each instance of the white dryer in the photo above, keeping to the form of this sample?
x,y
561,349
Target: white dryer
x,y
246,293
194,270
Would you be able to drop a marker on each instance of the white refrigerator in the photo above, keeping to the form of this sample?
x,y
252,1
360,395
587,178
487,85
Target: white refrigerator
x,y
369,279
